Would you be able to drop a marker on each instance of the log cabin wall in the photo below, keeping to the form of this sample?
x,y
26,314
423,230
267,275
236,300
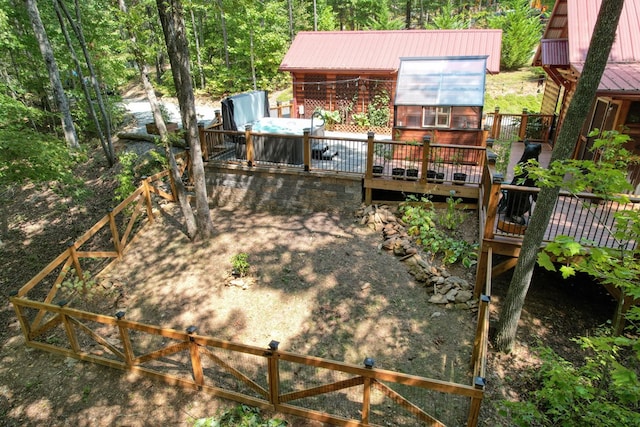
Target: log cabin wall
x,y
348,93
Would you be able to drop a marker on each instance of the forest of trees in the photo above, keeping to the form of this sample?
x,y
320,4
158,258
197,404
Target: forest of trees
x,y
59,54
235,45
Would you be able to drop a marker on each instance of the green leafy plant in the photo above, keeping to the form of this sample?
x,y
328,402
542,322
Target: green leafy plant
x,y
240,416
330,117
421,218
361,119
453,216
378,111
240,264
75,286
599,392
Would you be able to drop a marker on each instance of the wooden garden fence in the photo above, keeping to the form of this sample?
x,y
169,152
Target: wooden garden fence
x,y
320,389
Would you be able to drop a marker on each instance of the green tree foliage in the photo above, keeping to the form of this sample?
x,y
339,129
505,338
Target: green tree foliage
x,y
605,390
26,153
521,31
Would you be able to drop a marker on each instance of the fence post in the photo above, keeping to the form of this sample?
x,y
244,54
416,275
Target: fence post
x,y
474,409
74,258
124,337
203,143
495,128
194,351
426,143
274,372
522,134
147,198
306,147
71,333
249,143
279,108
366,391
494,193
368,174
114,233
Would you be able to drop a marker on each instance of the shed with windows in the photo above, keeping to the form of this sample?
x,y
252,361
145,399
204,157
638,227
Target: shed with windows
x,y
441,97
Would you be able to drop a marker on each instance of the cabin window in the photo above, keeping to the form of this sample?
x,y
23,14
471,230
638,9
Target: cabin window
x,y
439,117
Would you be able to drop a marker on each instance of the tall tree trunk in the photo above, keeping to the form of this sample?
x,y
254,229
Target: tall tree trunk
x,y
85,89
599,48
407,15
252,59
290,4
315,15
54,75
77,28
181,191
198,57
225,40
172,19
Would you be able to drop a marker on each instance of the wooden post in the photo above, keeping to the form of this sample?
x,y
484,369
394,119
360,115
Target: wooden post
x,y
249,143
203,142
474,409
76,262
366,400
368,174
273,372
495,128
196,363
366,391
147,198
71,333
426,143
24,321
306,147
115,236
522,134
494,192
124,337
279,108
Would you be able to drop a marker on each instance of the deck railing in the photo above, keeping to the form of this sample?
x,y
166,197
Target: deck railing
x,y
518,127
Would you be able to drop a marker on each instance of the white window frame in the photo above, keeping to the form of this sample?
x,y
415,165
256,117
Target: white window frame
x,y
437,113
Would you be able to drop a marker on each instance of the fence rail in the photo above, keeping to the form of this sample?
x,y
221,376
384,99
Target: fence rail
x,y
321,389
265,379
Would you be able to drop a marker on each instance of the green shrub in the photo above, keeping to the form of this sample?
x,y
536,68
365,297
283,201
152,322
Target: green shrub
x,y
240,263
421,219
601,392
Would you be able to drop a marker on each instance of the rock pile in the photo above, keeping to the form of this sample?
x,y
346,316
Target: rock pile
x,y
450,291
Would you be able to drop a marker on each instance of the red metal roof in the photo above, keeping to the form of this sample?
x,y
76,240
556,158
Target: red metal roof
x,y
555,51
582,18
572,23
618,78
380,51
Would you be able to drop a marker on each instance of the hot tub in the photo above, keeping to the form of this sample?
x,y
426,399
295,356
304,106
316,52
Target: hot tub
x,y
270,143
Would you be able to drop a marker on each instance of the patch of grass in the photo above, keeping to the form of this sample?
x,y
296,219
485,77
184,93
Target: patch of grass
x,y
512,91
240,416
